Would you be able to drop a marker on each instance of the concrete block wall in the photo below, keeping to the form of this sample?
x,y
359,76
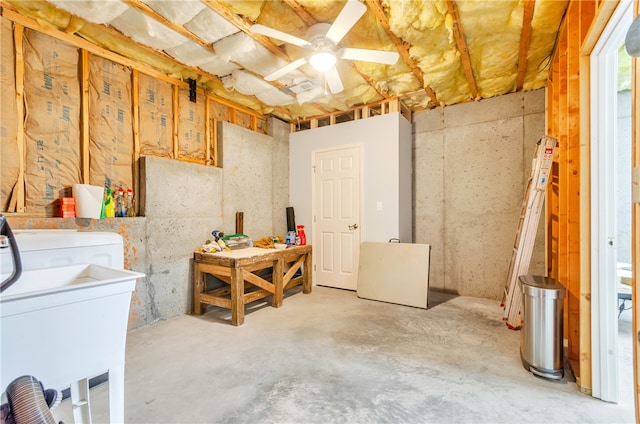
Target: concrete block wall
x,y
471,165
184,203
134,235
183,206
256,175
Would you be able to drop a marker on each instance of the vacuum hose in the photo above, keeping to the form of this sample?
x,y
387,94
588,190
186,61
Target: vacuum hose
x,y
9,241
27,401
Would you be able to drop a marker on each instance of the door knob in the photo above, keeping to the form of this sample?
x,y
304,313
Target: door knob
x,y
353,227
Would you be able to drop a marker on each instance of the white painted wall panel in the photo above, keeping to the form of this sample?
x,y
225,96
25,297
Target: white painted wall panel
x,y
381,138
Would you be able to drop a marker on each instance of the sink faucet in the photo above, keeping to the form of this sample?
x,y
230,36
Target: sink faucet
x,y
8,241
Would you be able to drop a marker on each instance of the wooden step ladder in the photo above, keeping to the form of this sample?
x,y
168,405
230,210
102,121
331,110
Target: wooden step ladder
x,y
527,228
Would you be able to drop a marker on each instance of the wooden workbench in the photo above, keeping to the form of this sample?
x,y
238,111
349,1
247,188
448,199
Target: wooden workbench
x,y
239,268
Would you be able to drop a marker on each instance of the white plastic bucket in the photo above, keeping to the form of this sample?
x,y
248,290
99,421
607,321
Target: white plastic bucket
x,y
88,200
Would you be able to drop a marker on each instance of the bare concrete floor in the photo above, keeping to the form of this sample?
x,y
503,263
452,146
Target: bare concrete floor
x,y
330,357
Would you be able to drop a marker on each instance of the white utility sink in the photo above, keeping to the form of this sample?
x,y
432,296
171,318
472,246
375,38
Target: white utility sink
x,y
64,325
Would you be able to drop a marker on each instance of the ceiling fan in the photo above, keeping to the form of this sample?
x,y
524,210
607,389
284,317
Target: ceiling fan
x,y
322,40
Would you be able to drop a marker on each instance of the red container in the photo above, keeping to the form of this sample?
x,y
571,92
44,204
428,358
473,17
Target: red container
x,y
301,235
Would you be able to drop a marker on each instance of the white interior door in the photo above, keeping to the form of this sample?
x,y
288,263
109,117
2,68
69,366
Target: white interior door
x,y
336,216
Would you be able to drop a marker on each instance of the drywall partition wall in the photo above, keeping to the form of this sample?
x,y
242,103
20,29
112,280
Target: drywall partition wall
x,y
386,142
471,164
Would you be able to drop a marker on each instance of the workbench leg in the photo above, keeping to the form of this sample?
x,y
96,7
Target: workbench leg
x,y
237,296
306,274
278,282
198,288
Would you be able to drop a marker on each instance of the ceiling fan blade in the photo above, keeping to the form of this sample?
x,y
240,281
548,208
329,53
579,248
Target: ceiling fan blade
x,y
334,81
286,69
347,18
365,55
279,35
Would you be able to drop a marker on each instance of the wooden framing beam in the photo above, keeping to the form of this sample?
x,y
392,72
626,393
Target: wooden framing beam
x,y
175,110
207,131
381,107
525,40
552,121
586,14
244,25
144,8
458,33
301,12
118,58
234,106
135,104
85,140
561,260
369,81
603,13
79,42
572,179
214,141
147,10
74,37
115,57
19,191
376,7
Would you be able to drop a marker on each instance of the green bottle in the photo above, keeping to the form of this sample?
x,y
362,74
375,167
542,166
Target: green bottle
x,y
109,209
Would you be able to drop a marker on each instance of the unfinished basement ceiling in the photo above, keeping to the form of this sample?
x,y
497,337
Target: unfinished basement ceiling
x,y
449,51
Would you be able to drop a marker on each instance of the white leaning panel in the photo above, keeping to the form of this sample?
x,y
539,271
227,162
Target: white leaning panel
x,y
394,273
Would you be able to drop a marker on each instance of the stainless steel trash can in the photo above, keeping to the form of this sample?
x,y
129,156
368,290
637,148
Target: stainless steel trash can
x,y
541,341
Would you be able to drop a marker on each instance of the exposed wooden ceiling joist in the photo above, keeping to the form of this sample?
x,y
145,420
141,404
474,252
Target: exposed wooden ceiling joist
x,y
144,8
458,34
301,12
525,40
403,49
244,25
421,29
77,40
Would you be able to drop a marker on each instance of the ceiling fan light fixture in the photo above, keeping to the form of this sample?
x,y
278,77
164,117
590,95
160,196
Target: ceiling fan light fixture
x,y
322,61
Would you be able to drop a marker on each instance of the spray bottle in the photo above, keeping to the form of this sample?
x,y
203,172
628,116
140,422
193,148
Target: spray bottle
x,y
109,209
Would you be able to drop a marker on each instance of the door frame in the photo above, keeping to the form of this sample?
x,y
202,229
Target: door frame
x,y
603,105
361,226
635,219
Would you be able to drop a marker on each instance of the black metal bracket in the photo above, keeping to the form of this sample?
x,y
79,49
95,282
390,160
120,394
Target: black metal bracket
x,y
192,90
